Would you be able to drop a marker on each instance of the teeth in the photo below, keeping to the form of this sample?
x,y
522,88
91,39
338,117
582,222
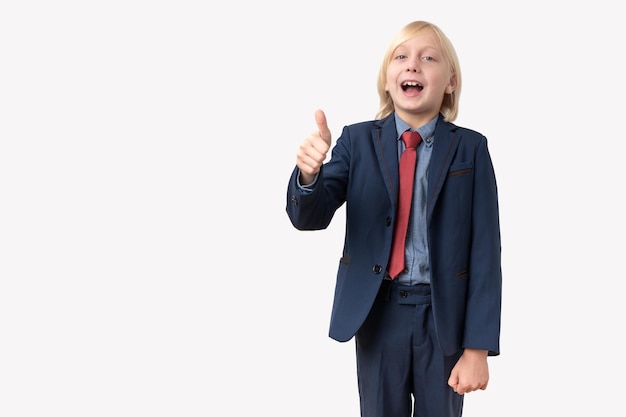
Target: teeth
x,y
411,84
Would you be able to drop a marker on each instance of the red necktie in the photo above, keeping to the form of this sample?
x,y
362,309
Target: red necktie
x,y
407,175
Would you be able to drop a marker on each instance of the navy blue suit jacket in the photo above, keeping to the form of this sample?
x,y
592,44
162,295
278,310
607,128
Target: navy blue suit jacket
x,y
463,229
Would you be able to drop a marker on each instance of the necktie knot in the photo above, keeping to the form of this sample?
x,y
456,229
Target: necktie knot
x,y
411,139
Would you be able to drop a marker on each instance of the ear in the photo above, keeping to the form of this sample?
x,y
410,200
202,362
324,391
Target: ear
x,y
451,85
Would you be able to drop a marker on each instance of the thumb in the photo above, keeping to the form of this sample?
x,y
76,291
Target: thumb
x,y
322,126
453,381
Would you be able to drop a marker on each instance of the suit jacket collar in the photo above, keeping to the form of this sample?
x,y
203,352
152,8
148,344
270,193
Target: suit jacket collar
x,y
384,137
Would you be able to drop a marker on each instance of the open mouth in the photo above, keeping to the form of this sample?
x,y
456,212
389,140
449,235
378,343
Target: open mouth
x,y
412,85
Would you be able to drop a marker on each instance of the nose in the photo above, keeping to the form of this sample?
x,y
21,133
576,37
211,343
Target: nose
x,y
412,65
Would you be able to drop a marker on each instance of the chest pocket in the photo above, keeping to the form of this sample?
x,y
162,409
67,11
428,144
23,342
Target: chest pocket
x,y
461,168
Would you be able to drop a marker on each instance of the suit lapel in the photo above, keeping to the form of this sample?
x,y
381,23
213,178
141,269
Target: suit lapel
x,y
385,141
444,149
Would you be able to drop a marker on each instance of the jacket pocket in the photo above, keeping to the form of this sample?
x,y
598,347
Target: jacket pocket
x,y
460,169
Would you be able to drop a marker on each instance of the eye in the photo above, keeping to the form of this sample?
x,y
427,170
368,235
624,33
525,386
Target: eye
x,y
400,56
428,58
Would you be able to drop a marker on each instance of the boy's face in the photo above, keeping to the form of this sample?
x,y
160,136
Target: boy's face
x,y
418,76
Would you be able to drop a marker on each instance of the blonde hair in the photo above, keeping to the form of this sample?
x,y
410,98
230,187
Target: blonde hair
x,y
450,105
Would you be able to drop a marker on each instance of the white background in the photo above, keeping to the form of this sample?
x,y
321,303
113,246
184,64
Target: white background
x,y
147,270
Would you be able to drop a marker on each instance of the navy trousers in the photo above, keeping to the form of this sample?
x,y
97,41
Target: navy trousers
x,y
400,367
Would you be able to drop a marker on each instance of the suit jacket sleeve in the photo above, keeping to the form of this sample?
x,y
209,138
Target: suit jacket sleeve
x,y
482,321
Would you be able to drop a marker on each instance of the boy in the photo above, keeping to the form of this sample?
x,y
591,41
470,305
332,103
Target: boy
x,y
423,329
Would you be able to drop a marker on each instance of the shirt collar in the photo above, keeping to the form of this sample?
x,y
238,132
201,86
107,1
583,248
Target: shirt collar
x,y
427,131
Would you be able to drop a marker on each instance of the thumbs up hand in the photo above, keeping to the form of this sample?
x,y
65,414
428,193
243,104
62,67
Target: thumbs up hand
x,y
313,150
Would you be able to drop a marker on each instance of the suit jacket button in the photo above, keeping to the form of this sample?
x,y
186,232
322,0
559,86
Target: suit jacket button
x,y
294,200
377,269
388,221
